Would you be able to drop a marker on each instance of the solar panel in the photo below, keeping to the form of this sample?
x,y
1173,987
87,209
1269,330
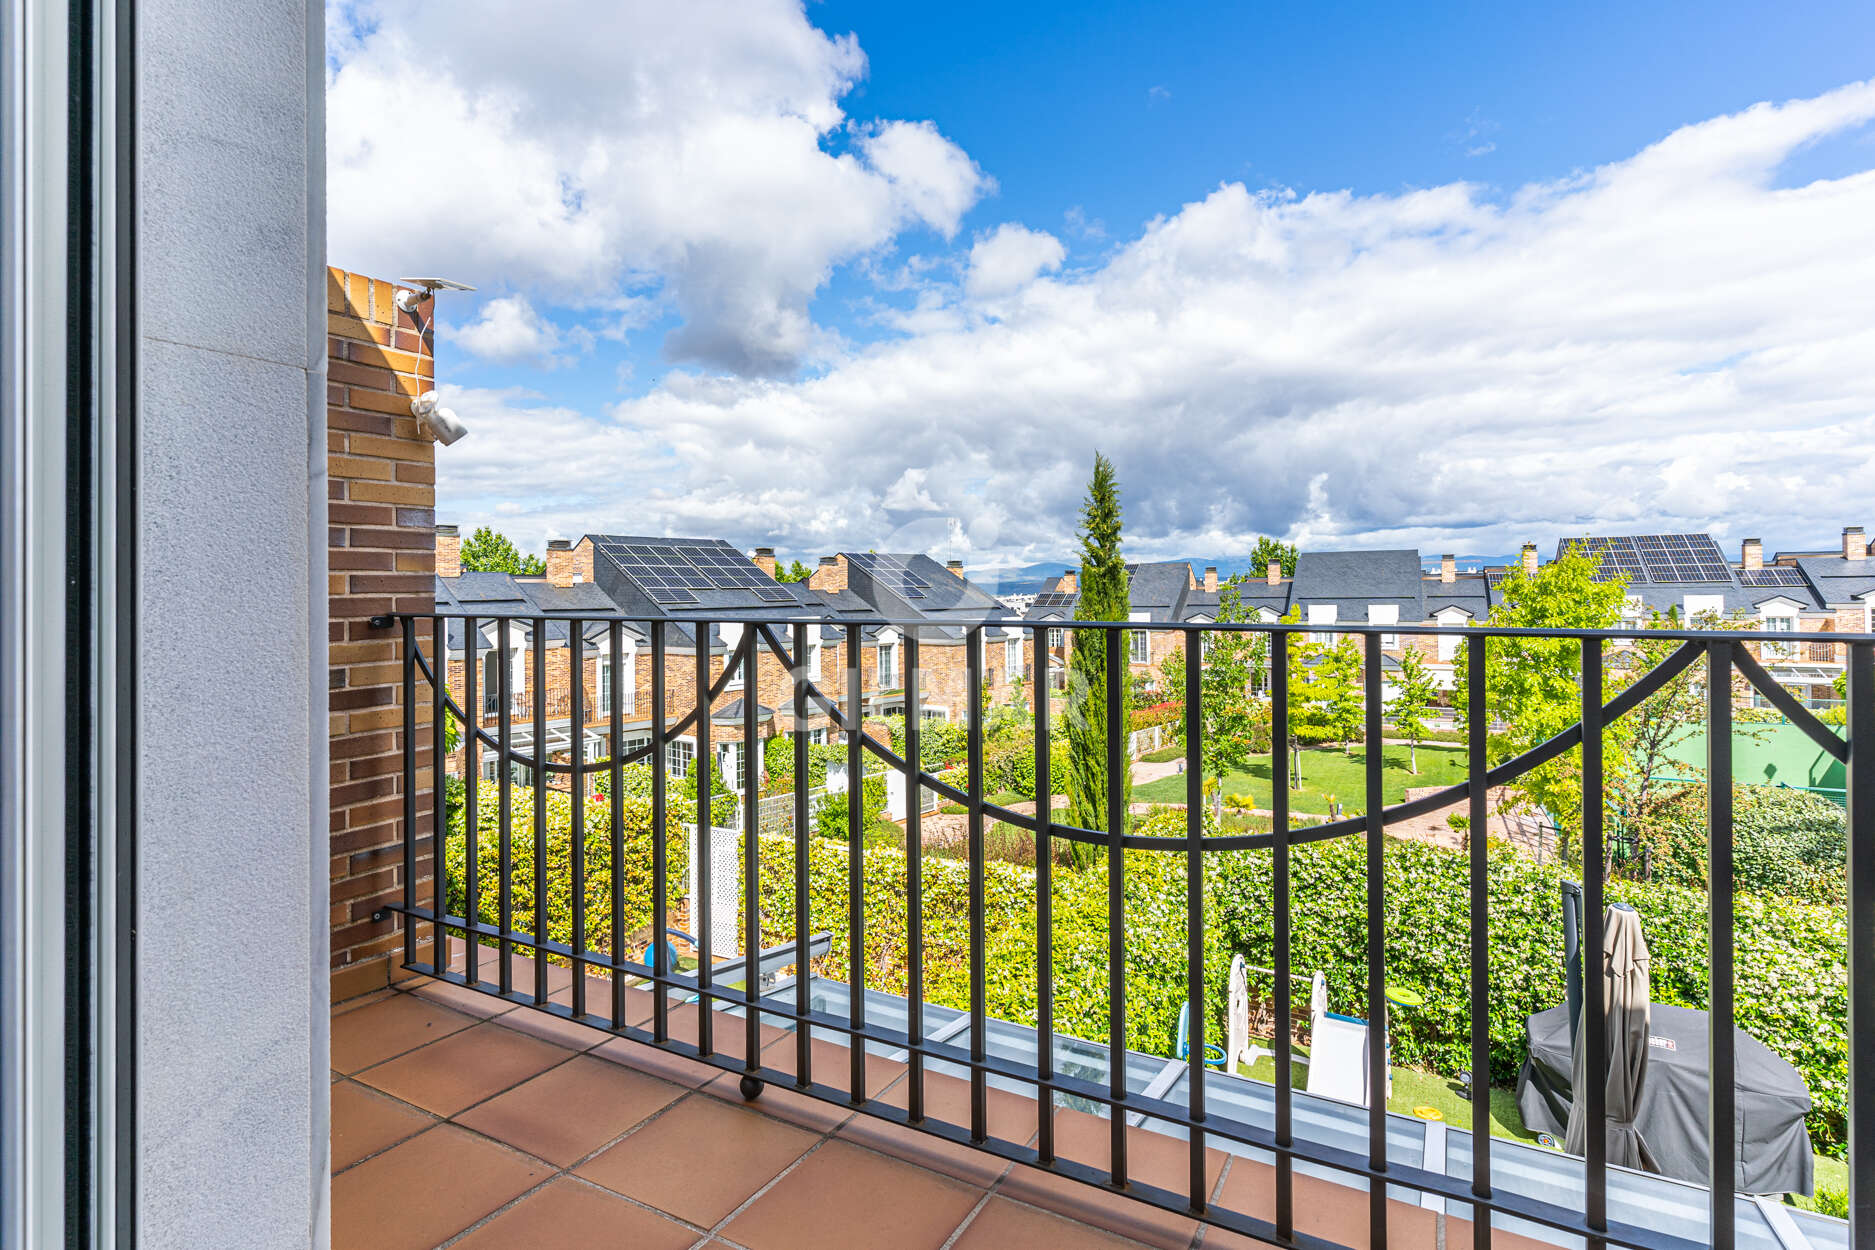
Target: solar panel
x,y
895,573
1619,557
1774,575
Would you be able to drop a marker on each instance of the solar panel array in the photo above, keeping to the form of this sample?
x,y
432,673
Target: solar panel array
x,y
1666,559
893,572
671,573
1773,575
1053,599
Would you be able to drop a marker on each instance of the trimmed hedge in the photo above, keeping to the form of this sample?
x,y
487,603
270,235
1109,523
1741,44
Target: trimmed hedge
x,y
1792,984
1784,841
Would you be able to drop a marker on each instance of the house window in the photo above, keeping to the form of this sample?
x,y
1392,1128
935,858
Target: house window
x,y
813,661
491,682
1385,614
731,761
1012,659
1139,646
888,666
1324,614
732,639
1057,639
678,753
605,685
817,737
1781,625
595,747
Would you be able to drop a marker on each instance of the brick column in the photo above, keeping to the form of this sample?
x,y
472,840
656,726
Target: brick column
x,y
382,558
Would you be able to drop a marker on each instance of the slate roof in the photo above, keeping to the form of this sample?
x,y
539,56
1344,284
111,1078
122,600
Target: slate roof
x,y
1835,580
494,595
1354,580
916,587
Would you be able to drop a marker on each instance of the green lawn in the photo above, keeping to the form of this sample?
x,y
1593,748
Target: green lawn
x,y
1325,772
1413,1089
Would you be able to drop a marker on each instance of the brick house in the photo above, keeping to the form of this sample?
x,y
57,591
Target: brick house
x,y
917,588
1163,592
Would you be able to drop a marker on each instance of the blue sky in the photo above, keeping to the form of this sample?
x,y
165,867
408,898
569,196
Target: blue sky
x,y
761,302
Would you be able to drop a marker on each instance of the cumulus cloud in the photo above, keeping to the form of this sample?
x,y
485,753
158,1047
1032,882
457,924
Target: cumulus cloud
x,y
1672,340
510,332
1009,258
582,153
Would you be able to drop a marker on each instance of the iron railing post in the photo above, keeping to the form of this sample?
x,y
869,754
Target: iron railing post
x,y
1377,1035
1478,839
1115,805
702,885
1860,786
856,861
1044,908
914,879
1723,1090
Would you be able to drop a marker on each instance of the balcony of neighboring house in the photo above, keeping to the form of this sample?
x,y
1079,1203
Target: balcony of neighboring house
x,y
874,1056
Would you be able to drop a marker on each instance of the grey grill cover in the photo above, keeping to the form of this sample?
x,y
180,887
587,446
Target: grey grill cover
x,y
1773,1147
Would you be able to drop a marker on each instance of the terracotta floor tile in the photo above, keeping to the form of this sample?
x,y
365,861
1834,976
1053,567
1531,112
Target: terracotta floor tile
x,y
426,1190
1325,1209
700,1160
362,1000
551,1028
390,1027
1002,1224
844,1196
464,1068
460,998
729,1034
599,999
644,1057
566,1113
1126,1217
972,1167
783,1103
830,1063
570,1215
365,1122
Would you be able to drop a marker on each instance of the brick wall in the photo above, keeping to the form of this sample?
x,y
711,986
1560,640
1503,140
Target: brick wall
x,y
381,511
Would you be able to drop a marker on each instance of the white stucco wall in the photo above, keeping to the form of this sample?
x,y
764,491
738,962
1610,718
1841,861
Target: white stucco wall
x,y
232,981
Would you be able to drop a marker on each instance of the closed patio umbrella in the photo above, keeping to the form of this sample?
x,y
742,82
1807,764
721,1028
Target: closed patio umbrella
x,y
1627,999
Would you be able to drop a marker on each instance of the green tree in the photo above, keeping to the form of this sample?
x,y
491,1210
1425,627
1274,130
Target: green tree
x,y
490,551
1232,723
1270,550
796,572
1413,693
1103,597
1532,685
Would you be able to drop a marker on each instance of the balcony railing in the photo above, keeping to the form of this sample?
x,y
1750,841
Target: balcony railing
x,y
1598,1205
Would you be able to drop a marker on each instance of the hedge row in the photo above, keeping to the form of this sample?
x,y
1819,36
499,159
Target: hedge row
x,y
1792,982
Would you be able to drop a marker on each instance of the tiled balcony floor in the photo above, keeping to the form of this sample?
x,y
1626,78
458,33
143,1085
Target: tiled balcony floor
x,y
460,1121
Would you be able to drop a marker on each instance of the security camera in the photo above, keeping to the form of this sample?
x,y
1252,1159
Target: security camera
x,y
438,422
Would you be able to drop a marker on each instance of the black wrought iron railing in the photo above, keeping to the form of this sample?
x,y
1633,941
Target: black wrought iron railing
x,y
1274,1138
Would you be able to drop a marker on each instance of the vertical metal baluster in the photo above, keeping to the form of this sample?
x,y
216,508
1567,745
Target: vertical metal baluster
x,y
803,925
1194,903
471,813
1476,740
660,866
979,1011
1280,904
1723,1091
504,888
439,833
751,862
615,735
1594,1029
1860,784
539,650
1116,644
914,881
1376,950
855,867
576,852
1044,905
701,888
540,806
408,920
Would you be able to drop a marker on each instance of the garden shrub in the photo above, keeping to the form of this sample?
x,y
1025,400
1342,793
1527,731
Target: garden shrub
x,y
1010,766
1784,841
831,820
636,852
1791,956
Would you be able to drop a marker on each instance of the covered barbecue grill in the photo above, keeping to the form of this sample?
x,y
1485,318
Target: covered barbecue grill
x,y
1773,1146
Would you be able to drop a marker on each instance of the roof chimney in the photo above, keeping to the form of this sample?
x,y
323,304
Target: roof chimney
x,y
765,560
560,568
1274,572
1070,583
1448,569
448,551
1854,546
955,566
1210,578
830,576
1529,559
1751,553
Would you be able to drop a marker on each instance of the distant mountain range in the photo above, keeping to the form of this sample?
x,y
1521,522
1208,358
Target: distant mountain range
x,y
1033,578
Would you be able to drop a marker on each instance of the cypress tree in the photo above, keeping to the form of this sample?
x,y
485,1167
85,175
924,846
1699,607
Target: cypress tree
x,y
1103,597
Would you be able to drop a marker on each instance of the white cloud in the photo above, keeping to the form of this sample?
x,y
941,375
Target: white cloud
x,y
1439,367
1009,258
510,332
580,153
